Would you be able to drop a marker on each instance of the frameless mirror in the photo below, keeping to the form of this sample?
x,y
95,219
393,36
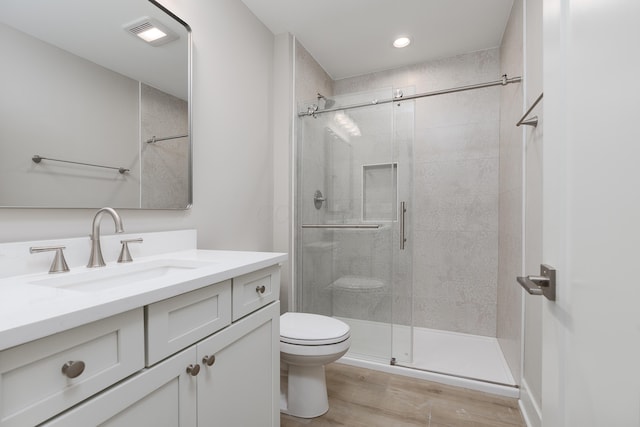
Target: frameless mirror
x,y
91,114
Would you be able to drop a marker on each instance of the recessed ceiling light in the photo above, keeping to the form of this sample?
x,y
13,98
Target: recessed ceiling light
x,y
401,42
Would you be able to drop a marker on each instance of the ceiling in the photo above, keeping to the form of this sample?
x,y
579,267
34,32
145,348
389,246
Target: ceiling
x,y
354,37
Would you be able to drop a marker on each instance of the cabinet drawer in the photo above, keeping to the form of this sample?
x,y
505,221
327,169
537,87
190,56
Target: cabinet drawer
x,y
33,386
178,322
164,395
255,290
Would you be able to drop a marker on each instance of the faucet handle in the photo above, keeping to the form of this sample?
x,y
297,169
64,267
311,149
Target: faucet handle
x,y
125,255
59,264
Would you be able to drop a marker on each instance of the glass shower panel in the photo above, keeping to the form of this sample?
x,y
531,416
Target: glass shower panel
x,y
347,216
402,303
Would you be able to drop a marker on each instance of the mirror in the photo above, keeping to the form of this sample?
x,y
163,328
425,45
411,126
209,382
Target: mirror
x,y
91,115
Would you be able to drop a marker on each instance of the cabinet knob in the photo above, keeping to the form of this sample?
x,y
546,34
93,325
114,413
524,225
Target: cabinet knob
x,y
260,289
209,360
193,370
73,368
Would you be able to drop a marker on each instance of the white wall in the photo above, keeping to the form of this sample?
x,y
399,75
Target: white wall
x,y
233,167
531,395
509,310
283,108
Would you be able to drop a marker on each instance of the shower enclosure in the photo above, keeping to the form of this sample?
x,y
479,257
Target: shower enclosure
x,y
392,236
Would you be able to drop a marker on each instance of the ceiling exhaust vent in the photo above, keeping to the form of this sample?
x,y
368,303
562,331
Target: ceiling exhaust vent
x,y
151,31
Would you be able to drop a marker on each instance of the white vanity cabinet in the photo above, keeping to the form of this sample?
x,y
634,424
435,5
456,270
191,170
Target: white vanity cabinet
x,y
41,378
164,395
241,388
202,368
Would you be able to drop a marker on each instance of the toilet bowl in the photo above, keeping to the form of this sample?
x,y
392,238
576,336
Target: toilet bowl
x,y
308,342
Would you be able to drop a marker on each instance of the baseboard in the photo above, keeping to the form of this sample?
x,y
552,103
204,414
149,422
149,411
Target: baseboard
x,y
530,409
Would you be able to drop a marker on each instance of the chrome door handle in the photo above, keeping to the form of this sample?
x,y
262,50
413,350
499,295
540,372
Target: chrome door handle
x,y
544,284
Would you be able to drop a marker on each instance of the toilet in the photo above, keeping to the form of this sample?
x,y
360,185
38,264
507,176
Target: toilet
x,y
308,342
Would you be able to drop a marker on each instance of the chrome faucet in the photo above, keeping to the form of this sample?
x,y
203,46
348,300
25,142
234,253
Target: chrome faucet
x,y
95,259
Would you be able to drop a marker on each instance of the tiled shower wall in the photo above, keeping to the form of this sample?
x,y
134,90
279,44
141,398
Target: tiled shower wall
x,y
316,263
165,164
455,189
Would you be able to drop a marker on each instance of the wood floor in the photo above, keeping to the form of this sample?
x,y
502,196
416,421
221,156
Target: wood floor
x,y
364,398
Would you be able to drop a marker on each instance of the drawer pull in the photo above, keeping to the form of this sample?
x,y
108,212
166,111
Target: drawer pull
x,y
73,368
209,360
260,289
193,370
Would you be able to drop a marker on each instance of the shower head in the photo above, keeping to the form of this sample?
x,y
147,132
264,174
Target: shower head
x,y
328,103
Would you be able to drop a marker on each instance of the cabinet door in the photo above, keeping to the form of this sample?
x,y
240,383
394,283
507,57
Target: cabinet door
x,y
242,386
162,396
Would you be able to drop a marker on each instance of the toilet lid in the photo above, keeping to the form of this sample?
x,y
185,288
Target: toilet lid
x,y
312,329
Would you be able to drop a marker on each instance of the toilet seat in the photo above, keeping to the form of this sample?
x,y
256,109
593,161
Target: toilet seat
x,y
312,330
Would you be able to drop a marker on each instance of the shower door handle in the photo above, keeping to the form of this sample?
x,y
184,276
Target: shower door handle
x,y
403,211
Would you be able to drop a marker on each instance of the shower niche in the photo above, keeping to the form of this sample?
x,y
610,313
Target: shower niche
x,y
380,192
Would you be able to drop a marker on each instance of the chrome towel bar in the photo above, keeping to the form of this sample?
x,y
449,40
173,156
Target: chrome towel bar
x,y
154,139
38,159
342,226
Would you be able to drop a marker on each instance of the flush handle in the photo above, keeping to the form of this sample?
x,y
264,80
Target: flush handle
x,y
544,284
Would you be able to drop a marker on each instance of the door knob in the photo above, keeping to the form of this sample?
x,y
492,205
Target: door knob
x,y
544,284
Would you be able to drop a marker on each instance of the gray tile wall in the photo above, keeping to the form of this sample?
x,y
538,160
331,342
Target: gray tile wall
x,y
455,191
165,164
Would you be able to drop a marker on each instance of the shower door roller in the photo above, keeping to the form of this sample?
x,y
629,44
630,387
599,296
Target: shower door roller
x,y
545,284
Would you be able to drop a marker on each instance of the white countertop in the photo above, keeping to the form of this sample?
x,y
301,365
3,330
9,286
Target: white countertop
x,y
29,311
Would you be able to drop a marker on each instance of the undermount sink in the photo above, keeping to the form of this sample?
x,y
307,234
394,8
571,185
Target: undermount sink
x,y
114,276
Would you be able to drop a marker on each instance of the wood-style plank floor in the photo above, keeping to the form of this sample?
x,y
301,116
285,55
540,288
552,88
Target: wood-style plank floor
x,y
364,398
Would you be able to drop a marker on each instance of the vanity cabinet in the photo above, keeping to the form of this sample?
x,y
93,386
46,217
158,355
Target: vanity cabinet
x,y
164,395
241,388
44,377
197,367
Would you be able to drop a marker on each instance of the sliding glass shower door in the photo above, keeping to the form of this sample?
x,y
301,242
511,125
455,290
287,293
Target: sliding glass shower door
x,y
354,176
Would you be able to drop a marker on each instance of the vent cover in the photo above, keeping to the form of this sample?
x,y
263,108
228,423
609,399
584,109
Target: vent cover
x,y
142,26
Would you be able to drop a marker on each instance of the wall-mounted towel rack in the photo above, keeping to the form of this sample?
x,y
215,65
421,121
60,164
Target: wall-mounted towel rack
x,y
342,226
532,121
37,159
155,139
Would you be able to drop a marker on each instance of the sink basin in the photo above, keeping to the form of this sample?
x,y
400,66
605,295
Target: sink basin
x,y
113,276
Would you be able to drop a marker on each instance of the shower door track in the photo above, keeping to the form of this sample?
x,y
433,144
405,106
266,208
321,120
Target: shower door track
x,y
502,82
455,375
